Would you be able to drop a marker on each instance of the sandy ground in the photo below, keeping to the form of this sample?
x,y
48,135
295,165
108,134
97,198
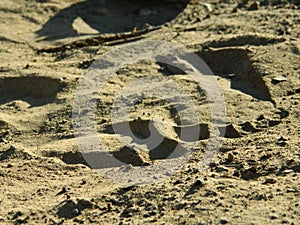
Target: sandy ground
x,y
253,49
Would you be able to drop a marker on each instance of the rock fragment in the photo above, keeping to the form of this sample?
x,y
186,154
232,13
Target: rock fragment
x,y
230,157
270,180
279,79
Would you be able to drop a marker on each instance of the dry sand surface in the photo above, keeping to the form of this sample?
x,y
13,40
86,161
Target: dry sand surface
x,y
253,49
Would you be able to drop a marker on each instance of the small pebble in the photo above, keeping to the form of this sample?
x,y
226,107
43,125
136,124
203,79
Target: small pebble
x,y
293,6
126,168
224,221
221,169
288,171
254,6
230,157
4,140
279,79
63,190
129,210
273,217
109,208
85,204
290,190
75,211
270,181
236,173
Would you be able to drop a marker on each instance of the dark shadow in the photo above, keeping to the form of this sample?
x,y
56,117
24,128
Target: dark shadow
x,y
139,127
71,209
35,90
129,156
167,148
8,153
186,132
236,65
193,188
109,16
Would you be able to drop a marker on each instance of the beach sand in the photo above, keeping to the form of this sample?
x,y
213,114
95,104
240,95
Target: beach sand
x,y
253,50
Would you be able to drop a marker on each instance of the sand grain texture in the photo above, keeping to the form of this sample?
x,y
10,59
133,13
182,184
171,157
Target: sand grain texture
x,y
254,52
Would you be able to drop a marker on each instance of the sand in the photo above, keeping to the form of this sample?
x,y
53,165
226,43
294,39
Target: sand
x,y
158,147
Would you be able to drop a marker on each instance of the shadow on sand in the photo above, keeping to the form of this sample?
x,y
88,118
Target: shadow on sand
x,y
108,16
